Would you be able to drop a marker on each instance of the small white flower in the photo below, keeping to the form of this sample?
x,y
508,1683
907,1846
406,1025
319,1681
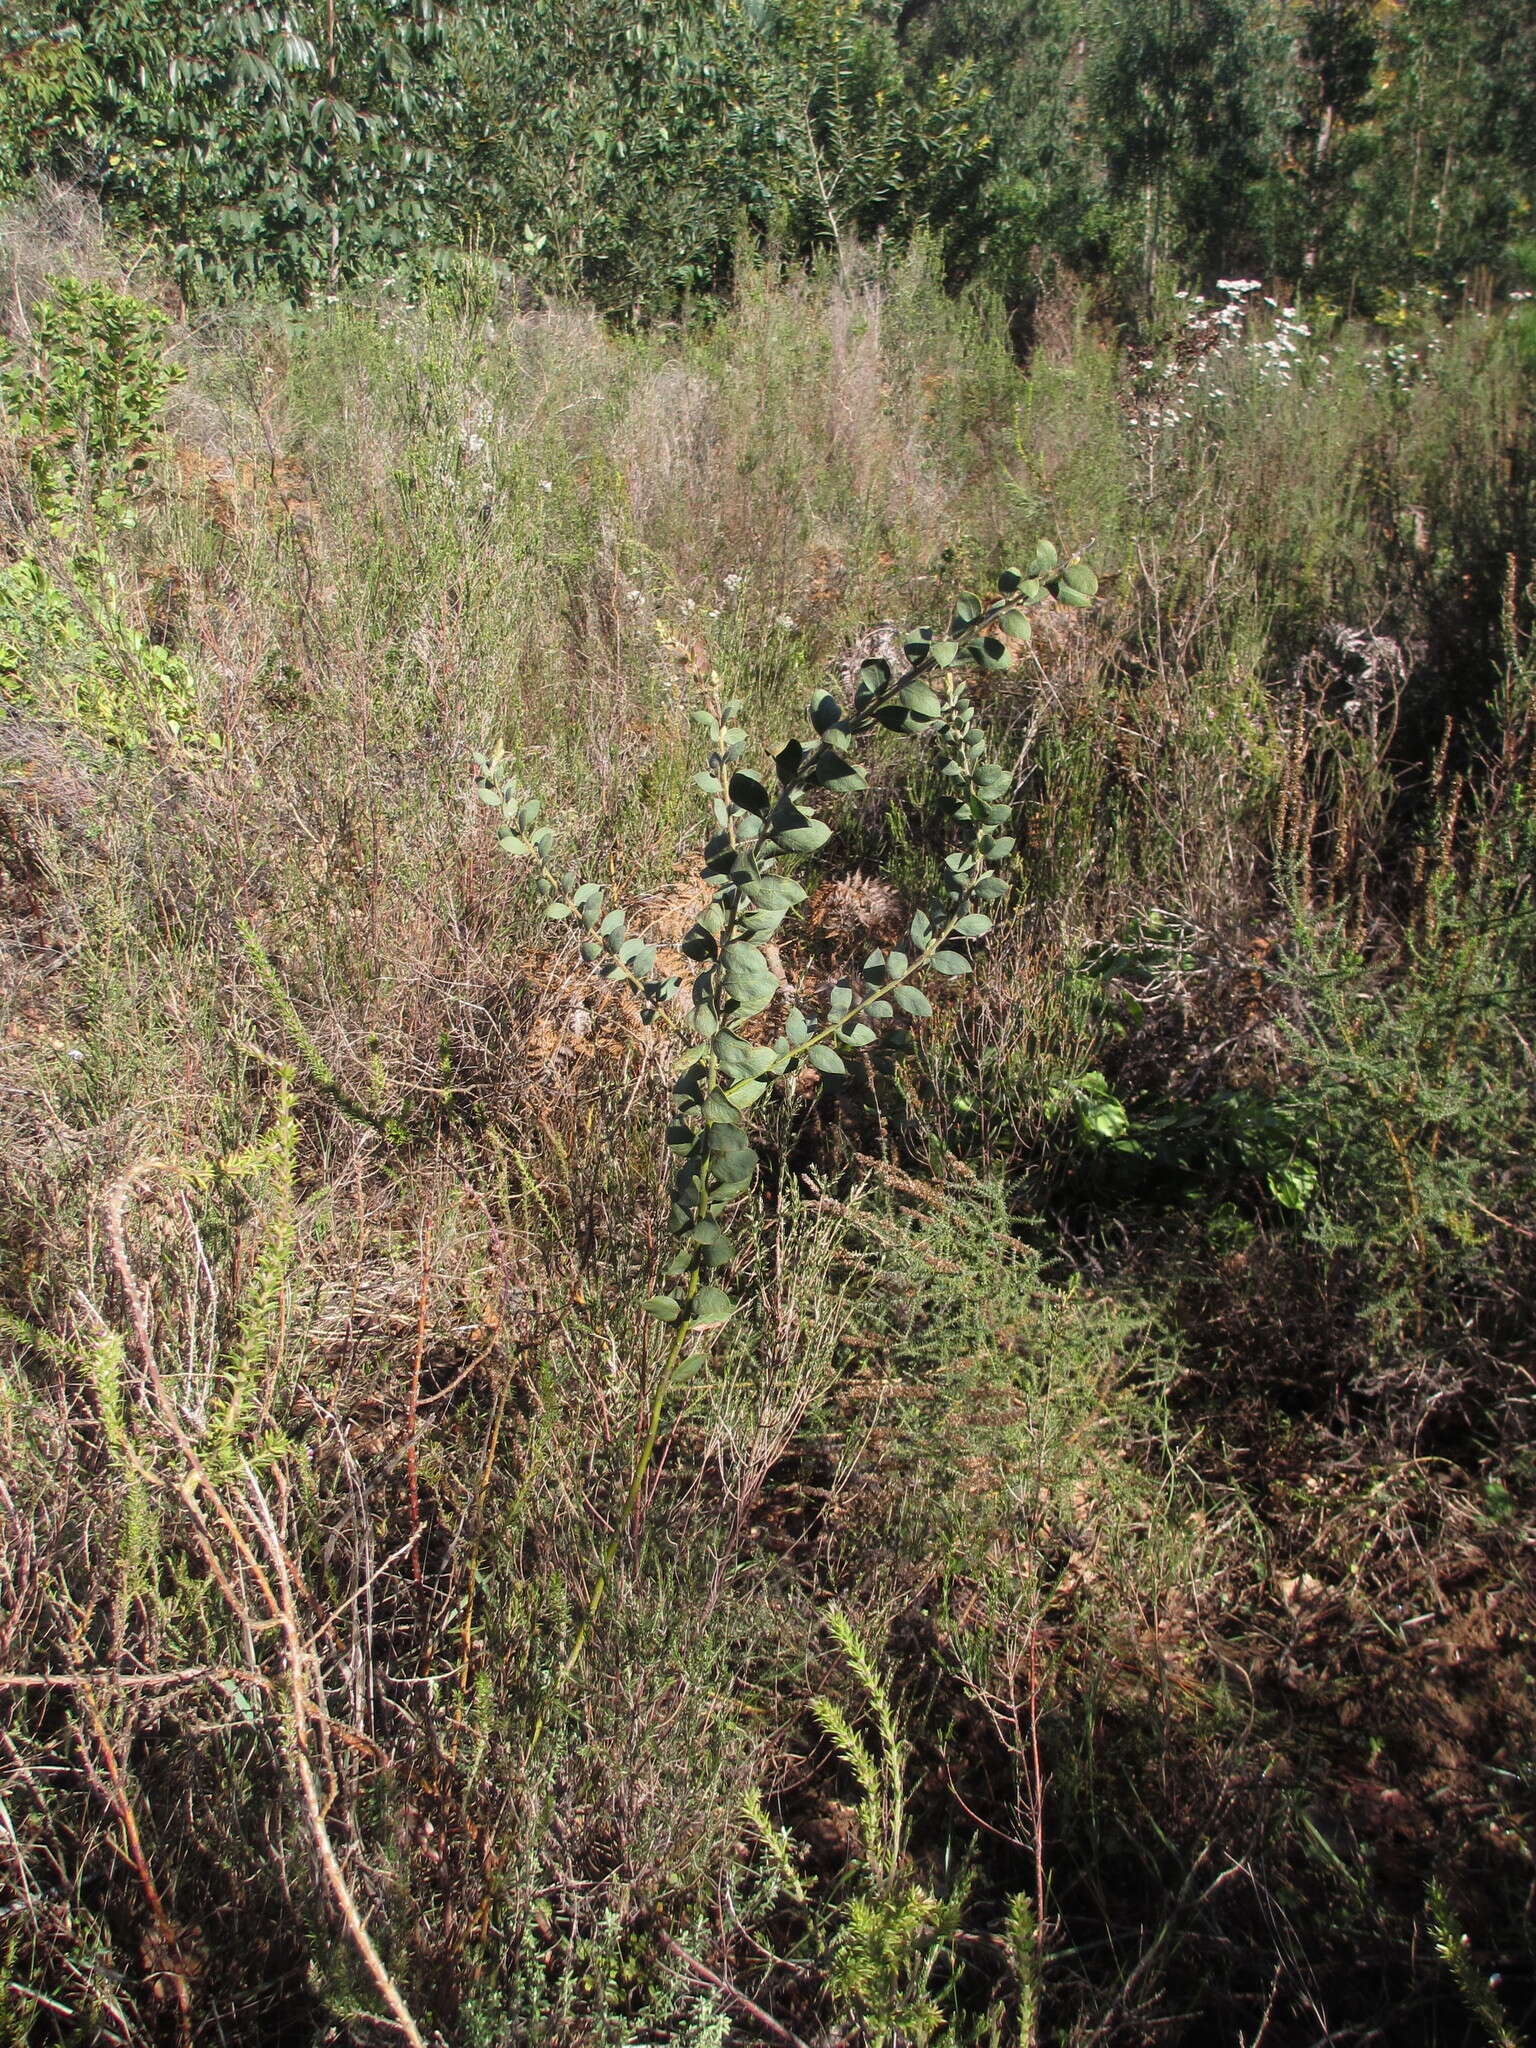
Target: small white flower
x,y
785,623
545,484
733,582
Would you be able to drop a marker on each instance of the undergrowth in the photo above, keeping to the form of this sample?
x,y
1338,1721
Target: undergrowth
x,y
1083,1594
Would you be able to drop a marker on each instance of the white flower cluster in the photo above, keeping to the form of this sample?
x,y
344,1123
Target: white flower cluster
x,y
1218,346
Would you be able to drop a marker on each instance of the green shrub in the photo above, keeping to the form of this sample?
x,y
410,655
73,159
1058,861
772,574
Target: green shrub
x,y
82,398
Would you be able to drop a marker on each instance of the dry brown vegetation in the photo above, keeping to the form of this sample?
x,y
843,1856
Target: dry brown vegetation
x,y
1185,1525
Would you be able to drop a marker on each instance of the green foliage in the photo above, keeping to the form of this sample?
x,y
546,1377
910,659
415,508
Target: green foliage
x,y
892,1937
1183,95
760,825
47,94
70,653
618,152
254,1352
82,397
1416,1067
1480,1993
80,404
627,153
623,153
291,146
1140,1616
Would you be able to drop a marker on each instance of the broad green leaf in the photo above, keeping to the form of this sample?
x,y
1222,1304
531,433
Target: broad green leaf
x,y
662,1307
1294,1185
945,962
919,699
912,1000
842,777
944,652
710,1307
974,927
749,979
749,794
825,1060
773,892
1079,577
806,837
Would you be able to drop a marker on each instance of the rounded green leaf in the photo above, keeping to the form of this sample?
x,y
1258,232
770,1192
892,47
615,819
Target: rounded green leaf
x,y
663,1307
749,980
945,962
773,893
920,700
749,794
825,1060
806,838
912,1000
710,1307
